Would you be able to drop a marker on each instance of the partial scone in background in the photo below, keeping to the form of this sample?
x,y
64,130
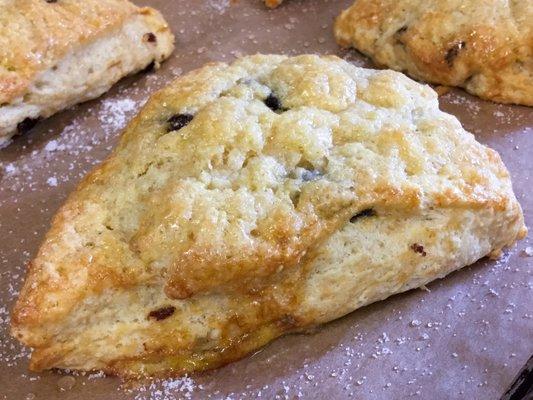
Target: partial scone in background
x,y
483,46
56,54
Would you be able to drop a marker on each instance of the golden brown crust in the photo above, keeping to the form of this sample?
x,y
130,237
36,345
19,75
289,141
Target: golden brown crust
x,y
485,47
243,193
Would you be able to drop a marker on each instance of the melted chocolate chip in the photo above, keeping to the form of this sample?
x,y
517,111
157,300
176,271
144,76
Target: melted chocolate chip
x,y
26,124
365,213
51,1
150,37
178,121
273,102
418,248
162,313
453,51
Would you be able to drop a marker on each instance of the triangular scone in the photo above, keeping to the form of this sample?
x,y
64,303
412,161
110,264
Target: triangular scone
x,y
54,54
483,46
254,199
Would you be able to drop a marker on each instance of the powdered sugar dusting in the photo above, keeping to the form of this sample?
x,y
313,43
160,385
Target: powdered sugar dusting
x,y
115,113
169,389
219,6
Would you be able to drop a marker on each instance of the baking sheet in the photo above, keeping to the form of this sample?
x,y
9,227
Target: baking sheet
x,y
464,339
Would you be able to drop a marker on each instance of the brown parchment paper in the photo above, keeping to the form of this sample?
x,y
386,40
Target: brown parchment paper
x,y
466,338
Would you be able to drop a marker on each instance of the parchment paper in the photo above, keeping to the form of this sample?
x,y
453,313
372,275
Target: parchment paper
x,y
465,339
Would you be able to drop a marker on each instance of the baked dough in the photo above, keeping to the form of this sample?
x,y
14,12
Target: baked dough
x,y
484,46
54,54
254,199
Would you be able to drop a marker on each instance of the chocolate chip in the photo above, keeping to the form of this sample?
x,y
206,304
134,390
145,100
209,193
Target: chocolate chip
x,y
418,248
273,102
162,313
150,67
51,1
365,213
453,51
401,30
468,79
398,35
178,121
150,37
26,124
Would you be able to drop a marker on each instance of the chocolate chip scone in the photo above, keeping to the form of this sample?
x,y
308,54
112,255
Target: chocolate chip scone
x,y
485,47
250,200
54,54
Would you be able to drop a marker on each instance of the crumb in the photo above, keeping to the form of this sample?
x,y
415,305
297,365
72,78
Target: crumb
x,y
52,181
527,252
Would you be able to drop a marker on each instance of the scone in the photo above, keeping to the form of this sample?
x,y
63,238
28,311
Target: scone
x,y
250,200
483,46
54,54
